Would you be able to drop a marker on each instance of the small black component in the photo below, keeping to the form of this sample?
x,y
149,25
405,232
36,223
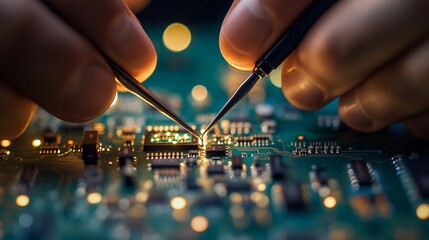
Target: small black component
x,y
277,167
238,186
215,169
191,180
191,162
165,163
209,201
156,197
50,137
361,172
237,162
419,169
293,198
125,155
216,151
90,147
28,176
128,181
257,161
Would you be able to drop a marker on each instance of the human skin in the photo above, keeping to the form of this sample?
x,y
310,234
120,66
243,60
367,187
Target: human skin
x,y
372,54
56,62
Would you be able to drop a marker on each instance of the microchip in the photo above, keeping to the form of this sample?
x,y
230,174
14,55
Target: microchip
x,y
216,150
361,172
90,147
236,162
277,167
293,197
165,163
419,169
238,186
164,141
50,137
215,169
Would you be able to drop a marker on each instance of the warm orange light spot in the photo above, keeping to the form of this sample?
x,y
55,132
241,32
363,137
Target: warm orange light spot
x,y
178,202
199,93
94,198
22,200
330,202
300,137
422,211
176,37
5,143
199,224
36,143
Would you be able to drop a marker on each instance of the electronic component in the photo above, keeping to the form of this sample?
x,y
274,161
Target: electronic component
x,y
216,151
236,162
292,194
215,169
168,139
164,163
125,156
50,137
191,162
360,173
277,167
90,147
126,165
238,186
419,169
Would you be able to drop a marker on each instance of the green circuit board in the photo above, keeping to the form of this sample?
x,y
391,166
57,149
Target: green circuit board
x,y
267,171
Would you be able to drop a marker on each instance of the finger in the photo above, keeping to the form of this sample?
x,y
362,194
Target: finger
x,y
251,27
15,114
352,40
396,92
46,61
419,125
137,5
113,28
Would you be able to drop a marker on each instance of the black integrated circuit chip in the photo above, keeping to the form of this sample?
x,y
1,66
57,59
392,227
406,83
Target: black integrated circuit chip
x,y
90,147
277,167
293,198
236,162
361,172
165,163
419,169
216,151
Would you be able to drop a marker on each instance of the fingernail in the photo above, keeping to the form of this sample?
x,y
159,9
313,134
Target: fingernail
x,y
247,27
92,94
130,43
301,91
353,113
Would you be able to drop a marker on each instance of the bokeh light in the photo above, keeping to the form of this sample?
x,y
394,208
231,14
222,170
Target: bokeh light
x,y
94,198
199,224
22,200
199,93
176,37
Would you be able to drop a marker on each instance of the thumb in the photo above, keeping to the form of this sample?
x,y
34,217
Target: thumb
x,y
252,26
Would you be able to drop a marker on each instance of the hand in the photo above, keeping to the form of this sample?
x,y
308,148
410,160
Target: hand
x,y
47,62
373,54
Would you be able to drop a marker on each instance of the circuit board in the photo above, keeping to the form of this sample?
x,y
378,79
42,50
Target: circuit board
x,y
267,171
